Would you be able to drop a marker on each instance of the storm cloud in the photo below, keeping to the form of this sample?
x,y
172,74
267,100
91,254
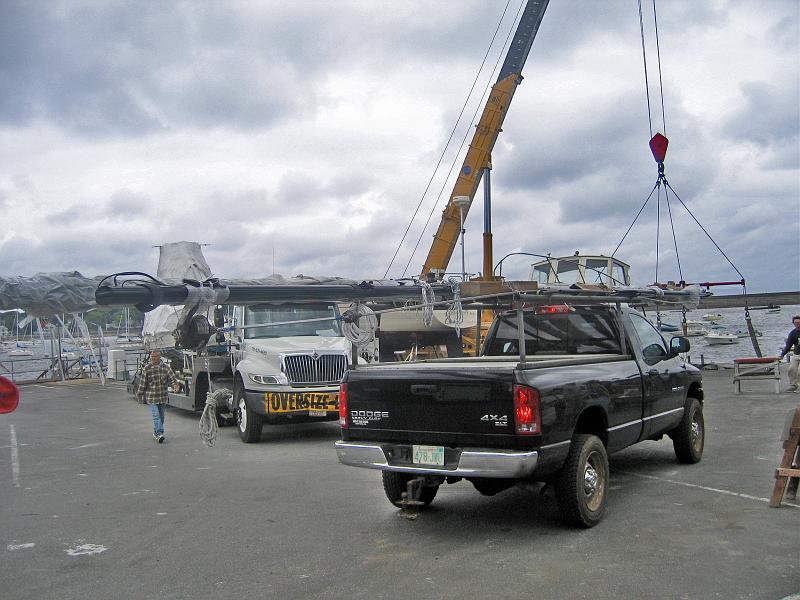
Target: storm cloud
x,y
302,137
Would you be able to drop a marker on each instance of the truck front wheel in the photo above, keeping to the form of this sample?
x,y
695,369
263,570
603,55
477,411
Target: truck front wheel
x,y
582,484
689,437
249,422
394,484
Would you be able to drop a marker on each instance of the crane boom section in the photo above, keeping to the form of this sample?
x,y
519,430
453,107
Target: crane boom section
x,y
478,155
483,140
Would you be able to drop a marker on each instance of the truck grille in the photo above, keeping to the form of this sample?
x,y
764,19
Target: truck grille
x,y
302,369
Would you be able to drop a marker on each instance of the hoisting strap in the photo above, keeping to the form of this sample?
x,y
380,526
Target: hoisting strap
x,y
730,262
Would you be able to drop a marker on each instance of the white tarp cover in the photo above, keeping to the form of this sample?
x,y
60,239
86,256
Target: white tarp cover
x,y
48,294
176,261
182,260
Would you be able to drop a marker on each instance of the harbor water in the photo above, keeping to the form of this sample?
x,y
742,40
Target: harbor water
x,y
771,327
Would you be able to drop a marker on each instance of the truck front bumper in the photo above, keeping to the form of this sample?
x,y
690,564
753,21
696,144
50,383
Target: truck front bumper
x,y
469,463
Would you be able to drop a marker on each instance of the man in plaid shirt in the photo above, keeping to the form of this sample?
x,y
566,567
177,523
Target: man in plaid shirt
x,y
153,391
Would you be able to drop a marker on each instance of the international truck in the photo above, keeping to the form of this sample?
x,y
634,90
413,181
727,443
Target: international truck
x,y
281,362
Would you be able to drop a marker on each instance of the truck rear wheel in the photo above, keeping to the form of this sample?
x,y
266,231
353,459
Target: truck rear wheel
x,y
582,484
689,437
394,485
250,423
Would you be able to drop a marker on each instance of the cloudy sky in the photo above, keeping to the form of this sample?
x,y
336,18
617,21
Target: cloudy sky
x,y
300,137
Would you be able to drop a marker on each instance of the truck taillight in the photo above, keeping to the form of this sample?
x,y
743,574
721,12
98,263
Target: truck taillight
x,y
343,406
526,410
553,309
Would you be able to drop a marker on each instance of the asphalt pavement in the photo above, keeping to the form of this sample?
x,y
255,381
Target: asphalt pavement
x,y
92,507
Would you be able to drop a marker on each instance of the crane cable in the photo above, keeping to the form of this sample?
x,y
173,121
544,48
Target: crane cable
x,y
644,60
453,164
466,133
446,146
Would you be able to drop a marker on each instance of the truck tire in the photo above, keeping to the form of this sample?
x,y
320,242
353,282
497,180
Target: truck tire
x,y
689,437
582,485
250,423
394,485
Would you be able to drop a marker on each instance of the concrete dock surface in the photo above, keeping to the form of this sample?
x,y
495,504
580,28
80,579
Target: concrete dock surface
x,y
91,507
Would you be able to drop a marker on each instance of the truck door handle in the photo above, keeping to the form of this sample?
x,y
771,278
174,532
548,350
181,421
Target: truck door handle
x,y
653,372
421,389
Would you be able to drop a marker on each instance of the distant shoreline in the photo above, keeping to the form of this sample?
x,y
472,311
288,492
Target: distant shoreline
x,y
764,299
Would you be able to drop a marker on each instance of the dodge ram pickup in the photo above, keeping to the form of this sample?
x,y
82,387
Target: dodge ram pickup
x,y
589,380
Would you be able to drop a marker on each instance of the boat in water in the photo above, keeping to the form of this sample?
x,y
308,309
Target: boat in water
x,y
721,338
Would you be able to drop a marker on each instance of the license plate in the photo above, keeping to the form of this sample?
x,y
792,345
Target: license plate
x,y
316,404
317,413
428,455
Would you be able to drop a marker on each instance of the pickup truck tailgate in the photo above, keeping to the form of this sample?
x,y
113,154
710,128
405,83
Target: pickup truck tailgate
x,y
406,404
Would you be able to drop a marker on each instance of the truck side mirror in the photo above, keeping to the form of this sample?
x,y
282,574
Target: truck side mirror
x,y
678,345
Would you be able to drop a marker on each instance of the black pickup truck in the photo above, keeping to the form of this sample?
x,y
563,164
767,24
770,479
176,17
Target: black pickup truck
x,y
590,380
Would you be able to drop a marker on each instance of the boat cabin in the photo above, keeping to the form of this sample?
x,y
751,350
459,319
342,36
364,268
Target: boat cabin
x,y
588,269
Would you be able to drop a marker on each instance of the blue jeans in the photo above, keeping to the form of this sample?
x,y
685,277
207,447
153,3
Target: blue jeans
x,y
158,418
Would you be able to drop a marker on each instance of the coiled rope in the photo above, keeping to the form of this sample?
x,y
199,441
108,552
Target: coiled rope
x,y
208,420
353,331
428,300
455,312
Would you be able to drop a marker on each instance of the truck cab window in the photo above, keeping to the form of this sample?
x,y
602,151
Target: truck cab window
x,y
295,320
651,343
587,330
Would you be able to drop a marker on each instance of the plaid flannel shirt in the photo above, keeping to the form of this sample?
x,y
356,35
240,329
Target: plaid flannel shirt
x,y
155,378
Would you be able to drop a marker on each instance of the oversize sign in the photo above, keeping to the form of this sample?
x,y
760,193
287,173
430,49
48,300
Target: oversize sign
x,y
289,402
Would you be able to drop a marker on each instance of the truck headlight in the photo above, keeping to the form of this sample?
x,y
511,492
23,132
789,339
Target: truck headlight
x,y
264,379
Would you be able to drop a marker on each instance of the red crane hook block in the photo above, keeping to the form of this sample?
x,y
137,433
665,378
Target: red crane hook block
x,y
658,146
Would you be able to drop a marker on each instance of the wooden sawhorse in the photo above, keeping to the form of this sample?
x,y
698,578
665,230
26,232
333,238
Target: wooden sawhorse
x,y
787,475
746,369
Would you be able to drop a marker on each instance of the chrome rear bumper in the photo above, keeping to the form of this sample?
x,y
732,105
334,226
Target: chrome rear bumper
x,y
471,463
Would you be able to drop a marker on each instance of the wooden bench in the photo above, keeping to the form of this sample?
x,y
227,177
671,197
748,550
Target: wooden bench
x,y
748,369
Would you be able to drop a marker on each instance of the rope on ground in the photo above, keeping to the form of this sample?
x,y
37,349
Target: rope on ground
x,y
208,420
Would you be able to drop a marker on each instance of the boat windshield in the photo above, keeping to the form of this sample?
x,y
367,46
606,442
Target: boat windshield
x,y
588,330
264,314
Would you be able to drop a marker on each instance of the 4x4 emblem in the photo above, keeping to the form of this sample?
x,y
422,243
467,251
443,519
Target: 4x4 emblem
x,y
498,420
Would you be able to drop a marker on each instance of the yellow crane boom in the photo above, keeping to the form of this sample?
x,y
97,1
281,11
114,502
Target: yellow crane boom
x,y
483,140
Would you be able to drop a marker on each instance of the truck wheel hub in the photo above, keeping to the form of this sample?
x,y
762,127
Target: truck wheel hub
x,y
697,432
590,478
242,415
